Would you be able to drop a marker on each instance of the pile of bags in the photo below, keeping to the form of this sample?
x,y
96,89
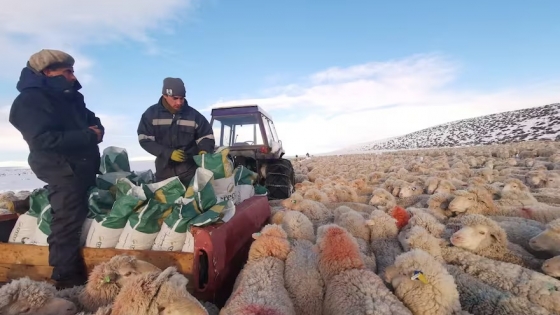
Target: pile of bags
x,y
128,210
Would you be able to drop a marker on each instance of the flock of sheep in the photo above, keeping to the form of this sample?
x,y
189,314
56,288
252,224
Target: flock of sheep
x,y
433,232
445,231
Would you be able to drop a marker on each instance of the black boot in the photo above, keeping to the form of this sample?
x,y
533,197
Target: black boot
x,y
76,280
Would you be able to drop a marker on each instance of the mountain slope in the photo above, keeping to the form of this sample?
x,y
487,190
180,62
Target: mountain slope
x,y
537,123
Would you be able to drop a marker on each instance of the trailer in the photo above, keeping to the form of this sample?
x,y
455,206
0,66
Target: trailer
x,y
220,252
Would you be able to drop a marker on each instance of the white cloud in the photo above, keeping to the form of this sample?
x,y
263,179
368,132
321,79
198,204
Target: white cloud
x,y
30,25
339,107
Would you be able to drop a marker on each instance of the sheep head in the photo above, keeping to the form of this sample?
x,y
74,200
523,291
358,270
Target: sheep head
x,y
535,178
514,184
479,233
382,198
291,203
431,184
473,199
551,267
272,241
161,292
445,186
553,181
410,189
106,280
382,225
548,240
25,296
416,276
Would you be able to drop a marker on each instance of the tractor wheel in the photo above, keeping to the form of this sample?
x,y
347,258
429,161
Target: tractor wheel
x,y
280,179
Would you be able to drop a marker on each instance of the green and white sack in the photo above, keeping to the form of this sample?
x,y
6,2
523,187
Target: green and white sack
x,y
224,188
100,203
40,200
201,189
26,225
108,180
244,181
218,163
143,177
214,214
144,225
114,159
174,229
168,191
106,230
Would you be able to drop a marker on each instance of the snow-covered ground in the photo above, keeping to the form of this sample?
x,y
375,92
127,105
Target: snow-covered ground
x,y
17,178
537,123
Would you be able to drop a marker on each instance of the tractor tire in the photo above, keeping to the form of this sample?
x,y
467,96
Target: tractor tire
x,y
280,179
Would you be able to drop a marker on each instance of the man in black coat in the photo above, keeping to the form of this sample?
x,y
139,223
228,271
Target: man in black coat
x,y
63,137
174,132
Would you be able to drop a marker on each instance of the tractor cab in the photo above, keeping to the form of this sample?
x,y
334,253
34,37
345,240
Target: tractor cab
x,y
253,142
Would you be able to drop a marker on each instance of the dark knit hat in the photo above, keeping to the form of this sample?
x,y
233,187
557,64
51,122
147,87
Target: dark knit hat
x,y
173,87
49,57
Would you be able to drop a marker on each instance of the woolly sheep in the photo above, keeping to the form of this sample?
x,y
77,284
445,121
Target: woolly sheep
x,y
476,200
418,237
485,237
515,193
260,287
478,297
157,293
520,231
25,296
551,267
303,281
384,243
105,282
535,286
350,288
437,296
314,210
316,195
549,239
297,226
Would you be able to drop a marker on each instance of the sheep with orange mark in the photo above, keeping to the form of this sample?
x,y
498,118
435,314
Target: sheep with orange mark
x,y
260,287
350,287
355,224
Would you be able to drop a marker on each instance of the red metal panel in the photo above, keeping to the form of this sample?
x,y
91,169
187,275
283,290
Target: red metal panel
x,y
227,246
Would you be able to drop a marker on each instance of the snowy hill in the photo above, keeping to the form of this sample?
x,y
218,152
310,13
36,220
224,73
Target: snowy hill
x,y
537,123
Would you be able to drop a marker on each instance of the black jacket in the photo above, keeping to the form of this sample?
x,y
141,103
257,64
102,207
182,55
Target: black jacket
x,y
53,119
160,133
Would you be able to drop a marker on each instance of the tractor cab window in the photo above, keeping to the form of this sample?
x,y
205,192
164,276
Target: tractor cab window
x,y
238,130
269,135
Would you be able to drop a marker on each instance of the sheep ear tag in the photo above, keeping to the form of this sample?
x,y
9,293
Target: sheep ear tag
x,y
106,279
419,275
256,235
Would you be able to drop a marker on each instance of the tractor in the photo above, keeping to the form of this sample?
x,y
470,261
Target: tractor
x,y
250,134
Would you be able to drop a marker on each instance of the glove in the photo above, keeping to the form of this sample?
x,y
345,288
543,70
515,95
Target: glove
x,y
202,152
178,156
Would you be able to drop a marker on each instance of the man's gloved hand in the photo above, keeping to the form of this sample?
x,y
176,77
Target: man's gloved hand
x,y
178,156
202,152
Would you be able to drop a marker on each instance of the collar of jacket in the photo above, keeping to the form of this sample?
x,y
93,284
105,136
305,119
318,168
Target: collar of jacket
x,y
29,78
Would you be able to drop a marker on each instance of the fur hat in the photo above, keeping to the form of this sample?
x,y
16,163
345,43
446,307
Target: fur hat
x,y
48,57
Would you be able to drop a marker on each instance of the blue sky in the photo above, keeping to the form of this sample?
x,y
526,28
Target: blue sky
x,y
373,69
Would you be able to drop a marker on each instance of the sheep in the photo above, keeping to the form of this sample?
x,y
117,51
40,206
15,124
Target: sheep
x,y
485,237
515,193
360,207
538,288
314,210
382,199
438,205
297,226
105,282
316,195
551,267
260,287
548,240
434,293
350,288
25,296
155,293
478,297
383,239
520,231
303,281
476,200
